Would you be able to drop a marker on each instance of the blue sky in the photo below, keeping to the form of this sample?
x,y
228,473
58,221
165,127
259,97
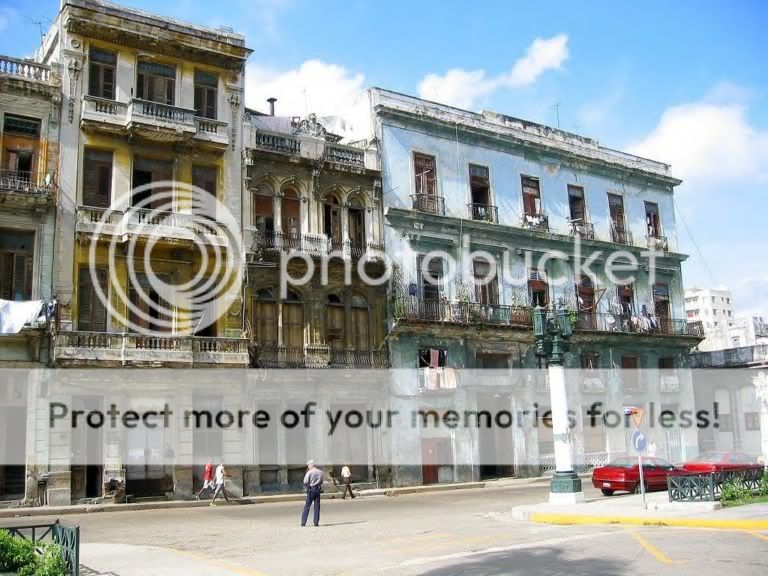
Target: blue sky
x,y
684,82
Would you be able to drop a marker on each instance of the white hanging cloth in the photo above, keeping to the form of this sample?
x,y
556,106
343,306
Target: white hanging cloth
x,y
14,315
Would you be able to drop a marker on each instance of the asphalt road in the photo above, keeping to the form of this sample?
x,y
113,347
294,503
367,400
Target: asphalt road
x,y
452,533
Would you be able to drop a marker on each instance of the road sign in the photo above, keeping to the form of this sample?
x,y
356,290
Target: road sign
x,y
637,416
639,442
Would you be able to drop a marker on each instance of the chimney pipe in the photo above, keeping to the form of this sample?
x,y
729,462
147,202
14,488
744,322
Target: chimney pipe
x,y
271,105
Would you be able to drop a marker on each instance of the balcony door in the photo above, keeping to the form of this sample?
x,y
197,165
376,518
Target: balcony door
x,y
263,215
356,225
585,297
91,311
486,283
332,220
662,307
290,214
156,82
152,183
265,319
293,324
431,286
149,311
21,143
334,323
360,330
204,179
16,264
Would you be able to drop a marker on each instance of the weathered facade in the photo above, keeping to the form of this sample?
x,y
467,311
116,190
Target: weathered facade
x,y
29,162
511,191
307,194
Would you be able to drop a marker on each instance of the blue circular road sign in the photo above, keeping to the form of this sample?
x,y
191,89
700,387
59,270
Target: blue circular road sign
x,y
639,441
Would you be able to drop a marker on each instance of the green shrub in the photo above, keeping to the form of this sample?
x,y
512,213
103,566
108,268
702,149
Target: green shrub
x,y
15,553
735,490
764,484
51,563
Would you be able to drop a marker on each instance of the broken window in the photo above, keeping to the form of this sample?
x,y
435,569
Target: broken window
x,y
576,205
480,190
91,311
531,196
102,70
156,82
21,140
653,223
538,290
206,94
151,180
16,264
616,209
486,282
97,178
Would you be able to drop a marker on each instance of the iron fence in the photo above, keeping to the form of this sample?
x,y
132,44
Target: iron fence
x,y
588,320
692,486
429,203
484,212
462,312
67,537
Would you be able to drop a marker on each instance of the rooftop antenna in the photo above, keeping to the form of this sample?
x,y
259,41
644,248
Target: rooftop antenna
x,y
39,24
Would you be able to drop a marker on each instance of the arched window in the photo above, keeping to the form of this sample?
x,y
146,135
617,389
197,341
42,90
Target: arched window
x,y
334,322
265,318
263,212
332,220
290,209
293,321
360,328
356,225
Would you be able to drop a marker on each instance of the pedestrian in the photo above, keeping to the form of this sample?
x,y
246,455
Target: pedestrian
x,y
346,476
313,484
207,479
221,476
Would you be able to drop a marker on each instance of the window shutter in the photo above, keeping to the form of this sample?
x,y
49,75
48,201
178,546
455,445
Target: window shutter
x,y
92,313
94,80
6,269
199,98
108,83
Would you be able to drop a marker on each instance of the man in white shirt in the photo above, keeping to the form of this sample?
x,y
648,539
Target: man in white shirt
x,y
313,484
346,476
221,476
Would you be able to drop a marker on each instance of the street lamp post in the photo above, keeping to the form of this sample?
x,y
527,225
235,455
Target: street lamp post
x,y
552,329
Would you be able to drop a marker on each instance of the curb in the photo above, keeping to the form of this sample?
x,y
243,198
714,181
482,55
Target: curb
x,y
173,504
568,519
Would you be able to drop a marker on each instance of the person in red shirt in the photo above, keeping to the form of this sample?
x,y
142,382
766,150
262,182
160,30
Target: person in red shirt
x,y
207,479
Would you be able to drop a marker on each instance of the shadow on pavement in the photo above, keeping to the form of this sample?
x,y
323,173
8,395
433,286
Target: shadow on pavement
x,y
534,562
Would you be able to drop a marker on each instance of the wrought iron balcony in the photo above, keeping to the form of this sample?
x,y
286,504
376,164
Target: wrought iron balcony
x,y
538,222
582,229
658,243
28,184
631,324
429,203
313,244
621,236
94,348
484,213
416,309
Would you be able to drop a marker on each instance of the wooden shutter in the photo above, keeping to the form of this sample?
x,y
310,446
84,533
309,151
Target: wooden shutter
x,y
424,172
92,313
97,178
360,328
335,325
6,269
293,325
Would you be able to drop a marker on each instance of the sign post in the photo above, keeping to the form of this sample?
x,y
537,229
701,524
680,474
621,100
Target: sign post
x,y
640,445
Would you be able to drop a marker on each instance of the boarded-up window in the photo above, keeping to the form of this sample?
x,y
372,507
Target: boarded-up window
x,y
206,93
101,73
92,312
156,82
97,178
16,264
531,196
425,174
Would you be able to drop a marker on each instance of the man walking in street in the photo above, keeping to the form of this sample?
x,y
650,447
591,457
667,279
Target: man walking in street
x,y
207,479
313,484
221,476
346,476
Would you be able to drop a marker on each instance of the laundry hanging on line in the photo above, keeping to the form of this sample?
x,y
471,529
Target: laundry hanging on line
x,y
15,314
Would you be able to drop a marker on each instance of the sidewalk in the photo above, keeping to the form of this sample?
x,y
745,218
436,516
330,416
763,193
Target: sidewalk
x,y
660,512
166,504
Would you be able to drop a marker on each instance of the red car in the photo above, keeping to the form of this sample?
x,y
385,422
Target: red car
x,y
715,461
623,474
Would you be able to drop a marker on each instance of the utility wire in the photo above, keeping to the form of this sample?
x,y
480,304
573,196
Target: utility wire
x,y
695,244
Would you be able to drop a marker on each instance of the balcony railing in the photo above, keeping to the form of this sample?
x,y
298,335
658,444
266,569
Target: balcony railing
x,y
583,230
162,113
658,243
429,203
539,222
630,324
461,312
344,155
126,348
621,236
319,356
317,244
26,182
24,69
273,142
484,213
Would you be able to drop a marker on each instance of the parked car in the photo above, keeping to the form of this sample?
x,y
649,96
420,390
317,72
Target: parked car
x,y
716,461
623,474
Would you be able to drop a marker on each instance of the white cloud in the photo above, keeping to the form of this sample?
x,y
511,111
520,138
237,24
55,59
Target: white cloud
x,y
6,15
705,141
723,161
315,86
463,88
